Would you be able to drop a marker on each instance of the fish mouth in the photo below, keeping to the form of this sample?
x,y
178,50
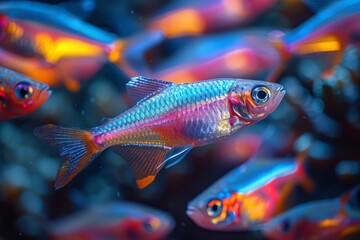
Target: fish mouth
x,y
191,212
280,93
45,93
197,217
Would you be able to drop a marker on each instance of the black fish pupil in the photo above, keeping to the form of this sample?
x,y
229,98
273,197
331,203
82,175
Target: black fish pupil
x,y
24,92
261,94
214,208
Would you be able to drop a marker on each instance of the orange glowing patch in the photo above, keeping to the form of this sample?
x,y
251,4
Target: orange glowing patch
x,y
235,7
14,30
326,44
115,53
330,222
183,22
55,49
182,76
142,183
238,60
254,207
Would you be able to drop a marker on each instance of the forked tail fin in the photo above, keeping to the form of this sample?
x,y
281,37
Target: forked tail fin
x,y
129,54
75,146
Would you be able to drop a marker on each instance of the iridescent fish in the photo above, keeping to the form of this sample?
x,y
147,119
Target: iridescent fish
x,y
196,17
114,220
331,30
167,121
245,54
247,196
327,219
20,95
52,46
201,16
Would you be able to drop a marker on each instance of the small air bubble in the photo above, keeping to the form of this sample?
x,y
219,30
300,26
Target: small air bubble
x,y
132,11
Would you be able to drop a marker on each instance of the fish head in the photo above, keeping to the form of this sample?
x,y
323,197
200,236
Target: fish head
x,y
20,95
156,226
211,209
290,225
210,214
146,223
252,101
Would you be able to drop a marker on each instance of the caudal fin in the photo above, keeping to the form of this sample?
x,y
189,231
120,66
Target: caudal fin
x,y
129,55
75,147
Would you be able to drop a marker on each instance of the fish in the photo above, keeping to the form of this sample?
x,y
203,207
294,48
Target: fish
x,y
193,18
166,122
330,31
325,219
20,95
249,195
113,220
241,54
52,46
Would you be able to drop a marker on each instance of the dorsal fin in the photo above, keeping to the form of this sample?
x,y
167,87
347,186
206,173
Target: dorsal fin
x,y
141,88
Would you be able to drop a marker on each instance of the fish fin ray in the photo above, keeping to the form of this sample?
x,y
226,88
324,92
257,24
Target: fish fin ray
x,y
75,147
141,88
176,155
144,160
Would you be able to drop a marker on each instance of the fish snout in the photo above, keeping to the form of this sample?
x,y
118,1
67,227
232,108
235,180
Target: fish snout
x,y
191,211
45,92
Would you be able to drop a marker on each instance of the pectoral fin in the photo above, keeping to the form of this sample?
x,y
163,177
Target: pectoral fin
x,y
176,155
145,160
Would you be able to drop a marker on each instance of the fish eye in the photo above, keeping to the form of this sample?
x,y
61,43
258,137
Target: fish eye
x,y
260,94
23,90
151,224
285,225
214,208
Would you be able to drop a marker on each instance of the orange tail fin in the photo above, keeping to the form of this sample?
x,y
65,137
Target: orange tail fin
x,y
128,54
75,146
285,56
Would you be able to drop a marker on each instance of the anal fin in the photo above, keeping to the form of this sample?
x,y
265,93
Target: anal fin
x,y
145,160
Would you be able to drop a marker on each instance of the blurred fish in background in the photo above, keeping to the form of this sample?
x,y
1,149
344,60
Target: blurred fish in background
x,y
247,54
197,17
308,46
337,218
113,220
38,42
249,195
19,94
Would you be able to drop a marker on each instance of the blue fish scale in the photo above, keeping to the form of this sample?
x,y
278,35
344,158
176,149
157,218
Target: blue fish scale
x,y
199,106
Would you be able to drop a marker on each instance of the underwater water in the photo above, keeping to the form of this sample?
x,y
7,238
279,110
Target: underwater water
x,y
88,57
